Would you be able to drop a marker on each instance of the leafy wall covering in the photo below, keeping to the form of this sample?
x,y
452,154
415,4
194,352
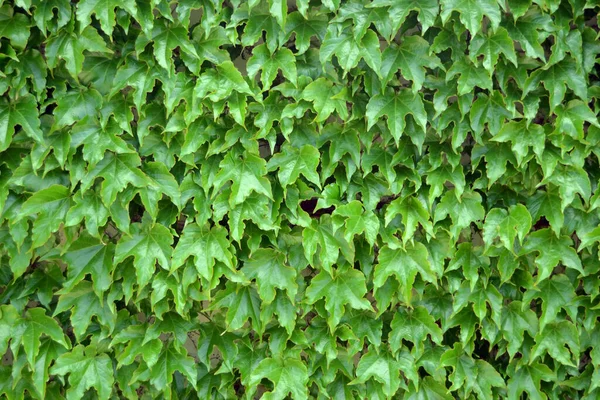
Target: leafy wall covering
x,y
223,199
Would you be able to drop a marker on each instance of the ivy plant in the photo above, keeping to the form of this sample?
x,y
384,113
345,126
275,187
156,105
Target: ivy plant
x,y
306,199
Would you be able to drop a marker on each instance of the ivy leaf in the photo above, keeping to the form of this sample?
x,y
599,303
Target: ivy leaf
x,y
69,47
508,225
326,99
462,213
396,108
14,27
522,136
304,28
88,255
84,304
358,221
242,304
90,207
414,326
170,360
346,287
134,338
247,174
206,245
291,162
471,76
166,38
288,373
283,59
554,339
268,268
427,11
548,204
404,264
28,330
556,293
490,46
86,370
472,13
413,212
556,79
51,206
516,320
104,10
349,50
22,112
219,83
411,58
148,245
385,369
75,106
528,378
118,171
475,375
552,250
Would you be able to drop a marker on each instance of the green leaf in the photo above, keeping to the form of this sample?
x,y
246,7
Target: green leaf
x,y
22,112
508,225
462,212
346,287
556,79
242,304
166,38
291,162
357,221
472,13
118,171
552,251
490,46
247,175
414,213
404,264
84,304
88,255
411,58
51,206
28,330
326,98
14,27
148,245
268,268
288,374
269,64
396,107
470,76
413,326
554,339
516,320
528,378
556,293
385,369
206,245
104,10
170,360
548,204
304,29
350,50
474,375
399,10
86,370
69,47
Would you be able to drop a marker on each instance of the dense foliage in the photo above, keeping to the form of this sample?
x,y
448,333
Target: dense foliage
x,y
336,199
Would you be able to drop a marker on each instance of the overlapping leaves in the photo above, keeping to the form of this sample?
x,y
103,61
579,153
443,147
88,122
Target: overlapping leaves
x,y
326,199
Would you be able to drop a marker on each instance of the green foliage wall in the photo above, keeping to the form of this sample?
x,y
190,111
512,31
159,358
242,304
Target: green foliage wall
x,y
314,199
